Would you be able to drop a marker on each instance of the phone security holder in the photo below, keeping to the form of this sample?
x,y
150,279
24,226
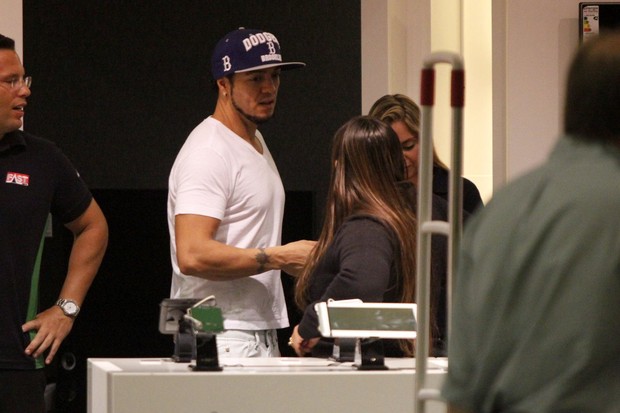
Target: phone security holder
x,y
365,353
369,354
194,323
344,349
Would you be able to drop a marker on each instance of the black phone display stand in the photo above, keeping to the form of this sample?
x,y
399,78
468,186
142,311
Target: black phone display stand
x,y
184,342
190,344
206,352
194,338
369,354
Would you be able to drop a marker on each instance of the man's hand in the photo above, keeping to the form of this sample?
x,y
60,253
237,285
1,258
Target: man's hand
x,y
292,256
52,326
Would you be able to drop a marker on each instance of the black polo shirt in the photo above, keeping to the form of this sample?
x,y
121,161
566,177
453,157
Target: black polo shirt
x,y
35,179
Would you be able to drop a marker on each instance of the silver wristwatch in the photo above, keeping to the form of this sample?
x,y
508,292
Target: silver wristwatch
x,y
69,307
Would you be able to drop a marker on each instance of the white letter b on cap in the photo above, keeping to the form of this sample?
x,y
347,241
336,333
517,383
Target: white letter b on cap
x,y
226,63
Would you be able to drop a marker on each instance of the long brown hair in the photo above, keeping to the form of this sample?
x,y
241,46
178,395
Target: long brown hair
x,y
367,177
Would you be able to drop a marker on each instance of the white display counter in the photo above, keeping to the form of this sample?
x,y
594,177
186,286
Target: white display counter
x,y
277,385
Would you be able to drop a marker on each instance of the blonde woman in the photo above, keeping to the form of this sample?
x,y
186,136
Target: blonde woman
x,y
403,114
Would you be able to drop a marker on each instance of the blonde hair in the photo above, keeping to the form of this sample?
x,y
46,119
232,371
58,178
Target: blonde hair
x,y
394,108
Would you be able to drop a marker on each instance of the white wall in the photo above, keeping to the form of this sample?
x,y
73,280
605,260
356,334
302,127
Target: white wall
x,y
395,40
464,27
398,35
11,22
375,52
538,36
478,124
534,42
516,55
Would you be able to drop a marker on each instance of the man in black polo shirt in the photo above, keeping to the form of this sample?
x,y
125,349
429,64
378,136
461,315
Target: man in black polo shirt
x,y
36,179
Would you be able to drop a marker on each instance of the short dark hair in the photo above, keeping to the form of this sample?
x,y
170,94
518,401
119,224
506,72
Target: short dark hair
x,y
592,108
7,43
213,82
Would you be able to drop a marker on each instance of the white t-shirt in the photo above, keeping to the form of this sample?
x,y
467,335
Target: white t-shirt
x,y
220,175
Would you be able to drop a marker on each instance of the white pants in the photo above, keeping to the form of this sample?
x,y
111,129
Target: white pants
x,y
248,343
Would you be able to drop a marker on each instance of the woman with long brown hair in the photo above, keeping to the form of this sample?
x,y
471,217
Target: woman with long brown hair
x,y
367,246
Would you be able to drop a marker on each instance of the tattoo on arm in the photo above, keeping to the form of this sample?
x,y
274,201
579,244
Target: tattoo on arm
x,y
261,258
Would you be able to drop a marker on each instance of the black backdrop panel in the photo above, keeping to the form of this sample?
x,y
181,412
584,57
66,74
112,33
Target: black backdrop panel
x,y
118,85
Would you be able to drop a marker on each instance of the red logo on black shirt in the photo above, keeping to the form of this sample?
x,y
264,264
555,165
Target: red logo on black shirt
x,y
17,178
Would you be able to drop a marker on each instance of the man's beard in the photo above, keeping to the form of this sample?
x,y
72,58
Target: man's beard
x,y
254,119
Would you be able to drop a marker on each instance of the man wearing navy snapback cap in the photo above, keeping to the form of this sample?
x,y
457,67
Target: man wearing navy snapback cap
x,y
226,201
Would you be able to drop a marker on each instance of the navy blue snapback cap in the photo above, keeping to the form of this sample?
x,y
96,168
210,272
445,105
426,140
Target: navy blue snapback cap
x,y
243,50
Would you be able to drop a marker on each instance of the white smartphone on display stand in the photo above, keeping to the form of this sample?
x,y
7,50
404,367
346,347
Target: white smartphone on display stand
x,y
356,319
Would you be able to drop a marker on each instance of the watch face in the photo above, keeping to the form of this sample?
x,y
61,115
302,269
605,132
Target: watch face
x,y
70,308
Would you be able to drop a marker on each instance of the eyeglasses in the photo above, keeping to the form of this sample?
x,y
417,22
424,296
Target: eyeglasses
x,y
18,83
